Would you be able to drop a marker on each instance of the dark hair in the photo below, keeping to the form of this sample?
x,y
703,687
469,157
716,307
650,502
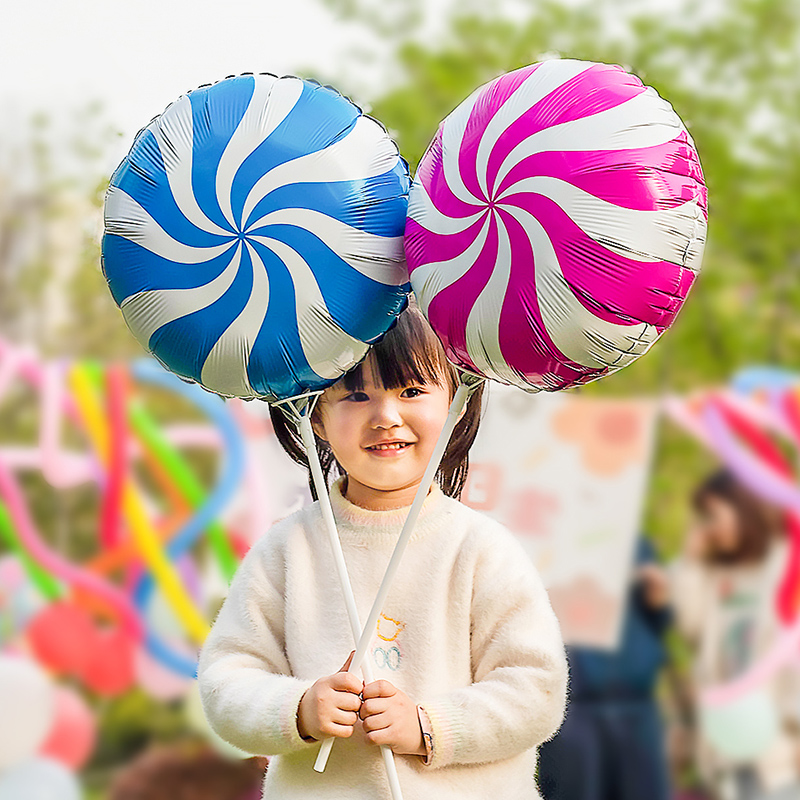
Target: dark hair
x,y
758,522
409,353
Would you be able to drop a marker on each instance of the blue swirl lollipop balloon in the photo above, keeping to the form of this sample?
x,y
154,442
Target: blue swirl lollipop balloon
x,y
254,236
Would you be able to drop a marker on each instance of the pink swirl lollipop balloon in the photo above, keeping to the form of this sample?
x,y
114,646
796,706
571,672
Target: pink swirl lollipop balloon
x,y
556,224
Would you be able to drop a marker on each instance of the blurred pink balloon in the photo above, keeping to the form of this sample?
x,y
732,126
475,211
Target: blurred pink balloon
x,y
72,738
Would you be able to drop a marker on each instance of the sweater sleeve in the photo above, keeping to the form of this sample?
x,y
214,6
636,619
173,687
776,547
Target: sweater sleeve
x,y
518,695
249,695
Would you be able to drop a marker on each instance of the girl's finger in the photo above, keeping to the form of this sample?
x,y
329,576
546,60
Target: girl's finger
x,y
346,665
347,701
380,737
342,717
378,722
379,689
376,705
334,729
346,682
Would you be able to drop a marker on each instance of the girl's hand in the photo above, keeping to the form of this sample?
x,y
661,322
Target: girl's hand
x,y
391,718
330,706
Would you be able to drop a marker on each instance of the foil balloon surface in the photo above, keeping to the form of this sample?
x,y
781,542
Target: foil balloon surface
x,y
254,236
556,224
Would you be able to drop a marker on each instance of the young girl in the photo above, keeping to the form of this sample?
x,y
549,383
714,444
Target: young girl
x,y
724,595
469,663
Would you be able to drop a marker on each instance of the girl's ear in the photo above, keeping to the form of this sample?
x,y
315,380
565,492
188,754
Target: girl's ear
x,y
318,427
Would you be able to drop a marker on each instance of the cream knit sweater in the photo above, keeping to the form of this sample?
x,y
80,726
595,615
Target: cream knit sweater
x,y
467,632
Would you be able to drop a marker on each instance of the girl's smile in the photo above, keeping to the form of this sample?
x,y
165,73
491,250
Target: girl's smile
x,y
389,449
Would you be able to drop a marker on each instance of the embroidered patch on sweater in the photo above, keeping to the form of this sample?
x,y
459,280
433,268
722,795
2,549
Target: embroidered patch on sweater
x,y
388,655
389,629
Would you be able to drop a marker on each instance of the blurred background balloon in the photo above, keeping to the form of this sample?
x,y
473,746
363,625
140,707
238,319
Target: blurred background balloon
x,y
40,779
62,637
27,697
72,736
742,730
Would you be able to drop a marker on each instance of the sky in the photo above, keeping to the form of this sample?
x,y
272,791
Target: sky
x,y
137,57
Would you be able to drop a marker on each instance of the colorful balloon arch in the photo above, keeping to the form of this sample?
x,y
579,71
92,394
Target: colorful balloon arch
x,y
136,611
96,617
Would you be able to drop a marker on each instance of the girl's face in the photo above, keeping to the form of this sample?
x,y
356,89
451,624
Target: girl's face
x,y
721,525
383,438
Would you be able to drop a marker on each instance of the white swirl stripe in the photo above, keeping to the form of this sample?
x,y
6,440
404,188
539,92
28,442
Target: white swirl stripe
x,y
616,128
314,322
421,209
483,323
548,77
580,335
125,217
148,311
272,101
452,141
659,235
174,133
365,152
432,278
380,258
227,363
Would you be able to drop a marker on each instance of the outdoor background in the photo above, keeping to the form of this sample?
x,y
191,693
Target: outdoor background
x,y
79,79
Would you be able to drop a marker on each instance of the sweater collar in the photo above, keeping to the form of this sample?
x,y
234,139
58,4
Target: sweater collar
x,y
354,522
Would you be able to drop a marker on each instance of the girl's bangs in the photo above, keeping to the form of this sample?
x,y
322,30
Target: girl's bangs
x,y
408,354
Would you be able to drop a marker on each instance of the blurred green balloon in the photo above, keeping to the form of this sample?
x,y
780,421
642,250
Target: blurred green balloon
x,y
744,729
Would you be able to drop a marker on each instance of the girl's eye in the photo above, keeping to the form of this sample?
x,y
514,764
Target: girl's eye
x,y
357,397
413,391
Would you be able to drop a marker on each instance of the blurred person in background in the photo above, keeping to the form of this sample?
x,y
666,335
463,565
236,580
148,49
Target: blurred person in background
x,y
725,586
183,770
611,746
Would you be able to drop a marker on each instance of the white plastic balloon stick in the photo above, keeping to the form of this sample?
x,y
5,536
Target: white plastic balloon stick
x,y
466,387
302,417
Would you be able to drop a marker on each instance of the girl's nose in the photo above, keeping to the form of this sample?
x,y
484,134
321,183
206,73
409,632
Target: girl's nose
x,y
386,413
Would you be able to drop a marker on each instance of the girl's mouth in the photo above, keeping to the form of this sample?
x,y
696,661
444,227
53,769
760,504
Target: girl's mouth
x,y
388,447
